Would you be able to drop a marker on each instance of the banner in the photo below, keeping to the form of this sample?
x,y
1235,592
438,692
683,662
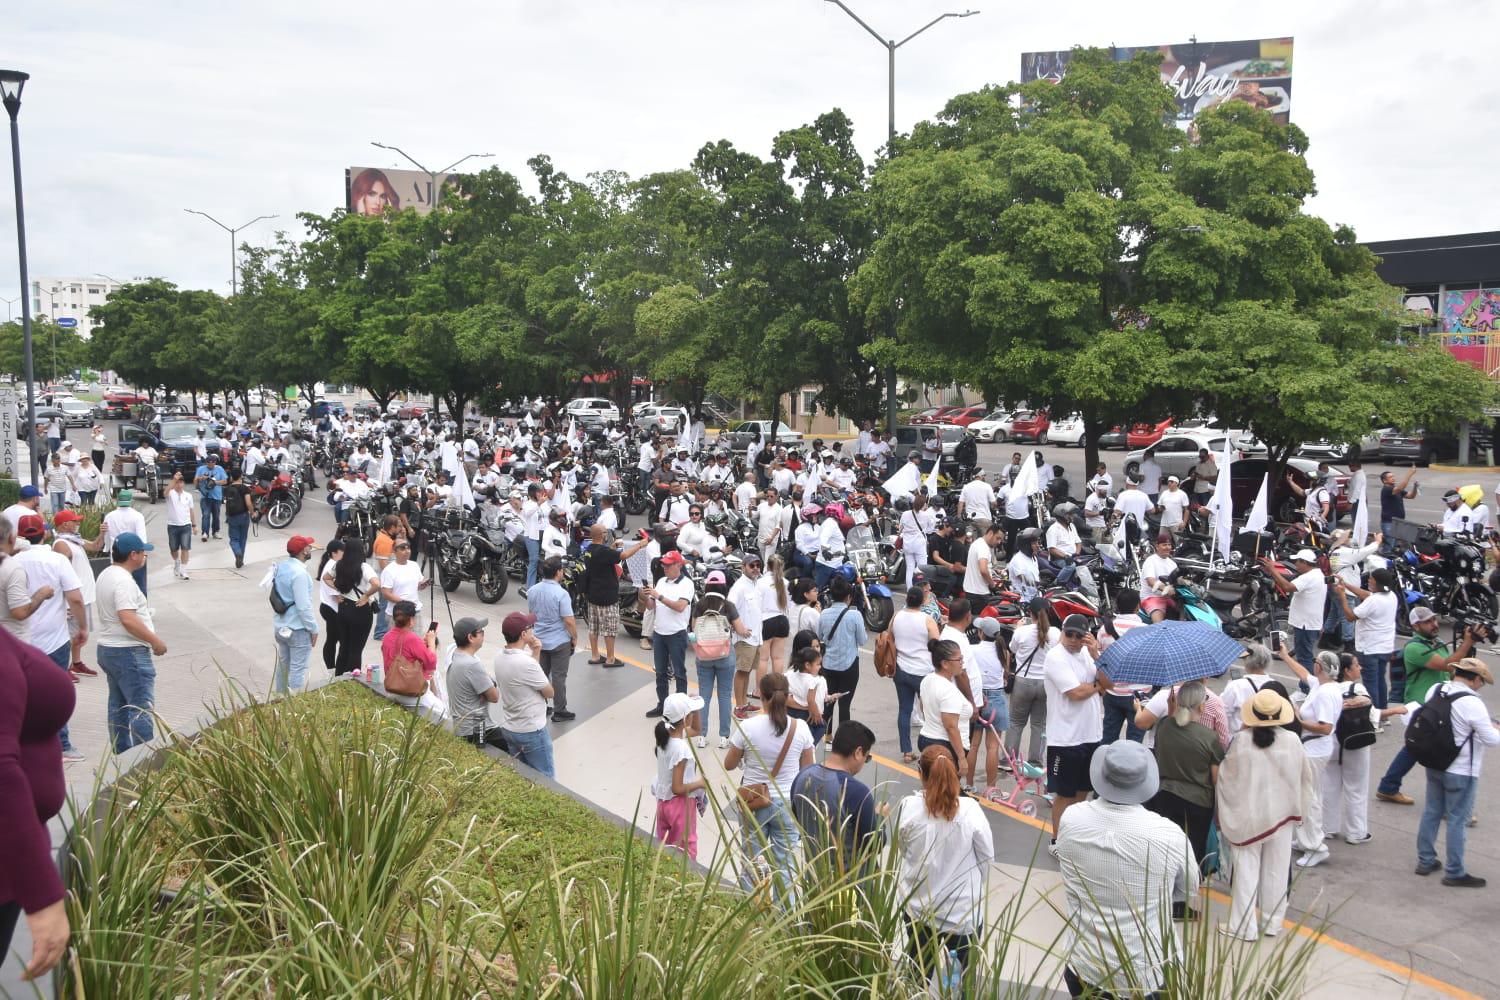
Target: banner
x,y
8,444
1257,71
372,190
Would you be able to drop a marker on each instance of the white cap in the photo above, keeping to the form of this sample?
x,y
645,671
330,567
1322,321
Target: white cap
x,y
678,706
1305,555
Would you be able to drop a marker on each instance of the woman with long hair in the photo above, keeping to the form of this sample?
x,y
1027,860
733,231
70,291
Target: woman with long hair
x,y
1265,786
357,588
775,620
945,710
1029,645
911,630
371,193
328,601
772,747
806,606
1188,754
945,845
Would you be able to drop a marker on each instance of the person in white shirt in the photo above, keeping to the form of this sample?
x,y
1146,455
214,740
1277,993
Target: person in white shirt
x,y
1025,568
182,508
1450,793
1148,476
1374,620
806,539
1346,775
1319,714
1029,645
1308,591
1459,517
771,523
976,502
1101,475
1075,715
981,574
1135,503
1096,509
830,551
402,579
1348,560
946,710
1156,573
1173,504
125,519
745,595
744,496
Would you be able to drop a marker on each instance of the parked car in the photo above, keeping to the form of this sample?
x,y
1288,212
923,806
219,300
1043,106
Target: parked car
x,y
739,436
666,419
995,426
1145,434
412,411
909,437
44,415
1030,425
1178,453
966,416
1067,431
598,406
1113,438
368,409
77,412
1246,475
1337,451
1419,447
934,414
331,407
950,435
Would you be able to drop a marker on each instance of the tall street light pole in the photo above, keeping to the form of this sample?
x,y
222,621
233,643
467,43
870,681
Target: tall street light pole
x,y
12,82
432,175
891,45
234,270
10,313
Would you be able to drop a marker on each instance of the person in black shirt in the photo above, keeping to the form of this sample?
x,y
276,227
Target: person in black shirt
x,y
941,545
601,589
1393,497
237,514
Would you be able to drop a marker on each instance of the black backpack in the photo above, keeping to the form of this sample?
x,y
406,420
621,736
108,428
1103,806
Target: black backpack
x,y
1429,734
1354,730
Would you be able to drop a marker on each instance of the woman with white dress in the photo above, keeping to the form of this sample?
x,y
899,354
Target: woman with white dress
x,y
916,524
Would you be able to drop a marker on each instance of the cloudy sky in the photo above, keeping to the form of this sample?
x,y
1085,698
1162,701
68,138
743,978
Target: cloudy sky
x,y
136,111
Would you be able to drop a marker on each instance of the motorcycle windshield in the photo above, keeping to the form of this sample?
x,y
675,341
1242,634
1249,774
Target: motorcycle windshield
x,y
861,536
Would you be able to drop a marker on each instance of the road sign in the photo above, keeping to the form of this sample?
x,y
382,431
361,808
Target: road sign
x,y
8,444
66,322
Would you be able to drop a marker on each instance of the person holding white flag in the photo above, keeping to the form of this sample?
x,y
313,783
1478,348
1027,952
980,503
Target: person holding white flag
x,y
907,479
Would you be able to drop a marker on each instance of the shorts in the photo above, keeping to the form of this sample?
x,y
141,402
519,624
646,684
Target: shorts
x,y
746,656
604,619
775,627
179,536
1068,769
994,703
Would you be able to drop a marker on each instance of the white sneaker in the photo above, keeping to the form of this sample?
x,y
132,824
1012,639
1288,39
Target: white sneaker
x,y
185,576
701,742
1313,858
177,570
723,742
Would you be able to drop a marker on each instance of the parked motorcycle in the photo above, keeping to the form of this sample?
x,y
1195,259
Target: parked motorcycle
x,y
466,553
273,500
871,579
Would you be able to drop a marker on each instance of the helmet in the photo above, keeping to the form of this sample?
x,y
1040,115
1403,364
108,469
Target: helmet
x,y
558,518
902,504
1028,536
1065,510
835,510
847,572
914,454
811,511
715,520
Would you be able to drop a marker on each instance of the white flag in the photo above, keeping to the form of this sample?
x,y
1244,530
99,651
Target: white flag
x,y
387,460
573,439
904,482
1027,481
1221,503
1258,518
1361,514
932,477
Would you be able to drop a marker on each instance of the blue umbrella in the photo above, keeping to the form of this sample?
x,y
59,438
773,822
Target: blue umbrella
x,y
1169,653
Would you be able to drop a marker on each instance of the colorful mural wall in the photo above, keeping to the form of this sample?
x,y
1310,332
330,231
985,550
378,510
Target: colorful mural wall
x,y
1472,311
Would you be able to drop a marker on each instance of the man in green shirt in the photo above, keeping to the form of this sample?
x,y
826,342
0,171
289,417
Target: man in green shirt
x,y
1426,662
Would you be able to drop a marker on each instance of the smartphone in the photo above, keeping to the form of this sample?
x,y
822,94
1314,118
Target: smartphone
x,y
432,627
1275,640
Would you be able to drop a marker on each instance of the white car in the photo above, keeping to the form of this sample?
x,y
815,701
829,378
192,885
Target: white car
x,y
1068,430
995,427
1178,453
666,419
594,406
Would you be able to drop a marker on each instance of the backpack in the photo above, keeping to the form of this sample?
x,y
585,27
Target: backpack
x,y
1354,730
1429,734
712,635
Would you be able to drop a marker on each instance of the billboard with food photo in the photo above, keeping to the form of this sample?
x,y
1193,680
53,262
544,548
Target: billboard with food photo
x,y
372,190
1201,75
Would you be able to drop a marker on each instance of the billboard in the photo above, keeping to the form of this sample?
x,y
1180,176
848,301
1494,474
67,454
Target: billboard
x,y
1201,75
372,190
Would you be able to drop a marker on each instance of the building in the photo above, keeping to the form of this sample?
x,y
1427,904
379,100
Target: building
x,y
71,298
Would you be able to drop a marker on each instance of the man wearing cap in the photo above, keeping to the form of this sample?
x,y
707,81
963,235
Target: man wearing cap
x,y
1425,663
1121,866
73,548
126,642
1459,517
556,629
402,579
1450,793
47,570
20,602
297,626
1308,592
1096,508
1173,506
123,520
210,480
524,691
29,503
671,599
1133,502
471,686
1075,714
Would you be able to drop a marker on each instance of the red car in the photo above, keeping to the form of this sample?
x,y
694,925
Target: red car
x,y
934,414
1147,434
1030,425
966,415
412,411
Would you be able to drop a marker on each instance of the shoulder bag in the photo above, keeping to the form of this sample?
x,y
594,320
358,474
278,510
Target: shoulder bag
x,y
1010,675
403,675
758,795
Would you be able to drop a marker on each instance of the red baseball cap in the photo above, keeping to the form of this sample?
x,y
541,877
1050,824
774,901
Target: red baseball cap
x,y
673,558
67,517
32,528
298,543
515,623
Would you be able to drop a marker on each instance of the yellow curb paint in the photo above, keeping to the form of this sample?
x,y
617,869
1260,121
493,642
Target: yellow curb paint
x,y
1405,972
1476,469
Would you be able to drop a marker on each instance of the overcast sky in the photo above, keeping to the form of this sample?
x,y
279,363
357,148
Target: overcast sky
x,y
138,110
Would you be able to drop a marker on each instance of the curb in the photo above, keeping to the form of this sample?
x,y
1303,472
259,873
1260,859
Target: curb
x,y
1464,468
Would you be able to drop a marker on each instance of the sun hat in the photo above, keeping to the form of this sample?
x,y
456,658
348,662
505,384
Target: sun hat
x,y
1469,665
678,706
1267,708
1124,772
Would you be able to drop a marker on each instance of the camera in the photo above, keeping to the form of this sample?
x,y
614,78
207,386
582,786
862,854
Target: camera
x,y
1483,629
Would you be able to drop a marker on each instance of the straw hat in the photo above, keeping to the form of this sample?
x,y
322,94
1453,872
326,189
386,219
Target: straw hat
x,y
1267,708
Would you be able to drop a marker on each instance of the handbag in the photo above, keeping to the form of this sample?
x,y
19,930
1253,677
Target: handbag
x,y
403,675
279,604
758,795
1010,675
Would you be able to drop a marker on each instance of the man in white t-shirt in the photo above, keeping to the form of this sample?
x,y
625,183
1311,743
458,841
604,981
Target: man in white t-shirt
x,y
49,622
1133,502
1374,619
1173,504
744,496
402,579
1075,714
1308,591
126,642
1096,510
524,690
1148,475
745,596
981,571
1156,591
672,599
976,502
123,520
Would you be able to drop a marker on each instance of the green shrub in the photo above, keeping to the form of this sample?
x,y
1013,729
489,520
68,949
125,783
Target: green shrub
x,y
10,492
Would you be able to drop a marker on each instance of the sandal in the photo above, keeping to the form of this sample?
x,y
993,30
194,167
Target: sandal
x,y
594,661
909,757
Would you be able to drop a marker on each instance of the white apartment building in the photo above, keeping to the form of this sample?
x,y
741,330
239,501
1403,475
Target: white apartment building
x,y
57,298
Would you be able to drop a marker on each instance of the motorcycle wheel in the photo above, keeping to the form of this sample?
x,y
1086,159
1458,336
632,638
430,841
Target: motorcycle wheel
x,y
280,515
491,583
878,613
1474,600
636,505
449,579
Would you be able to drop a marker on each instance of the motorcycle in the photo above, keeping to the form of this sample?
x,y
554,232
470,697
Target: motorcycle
x,y
465,553
273,500
871,581
636,491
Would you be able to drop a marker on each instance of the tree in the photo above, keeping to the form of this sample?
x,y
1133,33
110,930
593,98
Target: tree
x,y
54,349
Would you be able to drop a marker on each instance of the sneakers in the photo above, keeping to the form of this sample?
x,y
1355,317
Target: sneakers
x,y
1313,858
1428,867
1052,849
745,711
177,570
564,716
1359,840
701,743
1473,819
1462,882
723,742
79,667
205,536
655,713
1396,797
73,756
645,643
185,575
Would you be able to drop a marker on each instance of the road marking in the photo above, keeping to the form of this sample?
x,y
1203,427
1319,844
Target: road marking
x,y
1406,973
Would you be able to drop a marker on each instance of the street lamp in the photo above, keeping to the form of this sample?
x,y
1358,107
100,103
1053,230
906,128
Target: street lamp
x,y
891,45
234,271
432,175
12,82
9,315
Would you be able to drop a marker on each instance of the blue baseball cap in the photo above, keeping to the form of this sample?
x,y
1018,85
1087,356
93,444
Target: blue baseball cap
x,y
29,492
131,542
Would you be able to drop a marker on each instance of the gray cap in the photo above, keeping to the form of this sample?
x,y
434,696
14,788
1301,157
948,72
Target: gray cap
x,y
1124,772
467,626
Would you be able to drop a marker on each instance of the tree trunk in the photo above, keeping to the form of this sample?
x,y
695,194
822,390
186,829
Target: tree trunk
x,y
194,396
1090,445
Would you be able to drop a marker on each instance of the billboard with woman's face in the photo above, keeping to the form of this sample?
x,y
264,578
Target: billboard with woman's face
x,y
372,190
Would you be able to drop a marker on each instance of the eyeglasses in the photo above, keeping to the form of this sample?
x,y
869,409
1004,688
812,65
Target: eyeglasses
x,y
954,659
1073,633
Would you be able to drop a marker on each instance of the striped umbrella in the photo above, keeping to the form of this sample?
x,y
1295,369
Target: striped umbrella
x,y
1169,653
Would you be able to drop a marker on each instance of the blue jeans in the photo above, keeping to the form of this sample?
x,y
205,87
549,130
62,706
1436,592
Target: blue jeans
x,y
907,686
1120,709
534,749
292,654
1450,797
1334,620
239,531
670,654
715,677
1372,672
822,573
803,562
60,656
533,557
208,508
382,620
58,501
1401,766
132,693
771,829
1305,646
139,576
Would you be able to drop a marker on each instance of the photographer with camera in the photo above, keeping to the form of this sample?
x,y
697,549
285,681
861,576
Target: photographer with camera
x,y
1425,662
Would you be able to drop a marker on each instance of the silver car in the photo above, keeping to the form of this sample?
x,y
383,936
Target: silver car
x,y
1177,454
